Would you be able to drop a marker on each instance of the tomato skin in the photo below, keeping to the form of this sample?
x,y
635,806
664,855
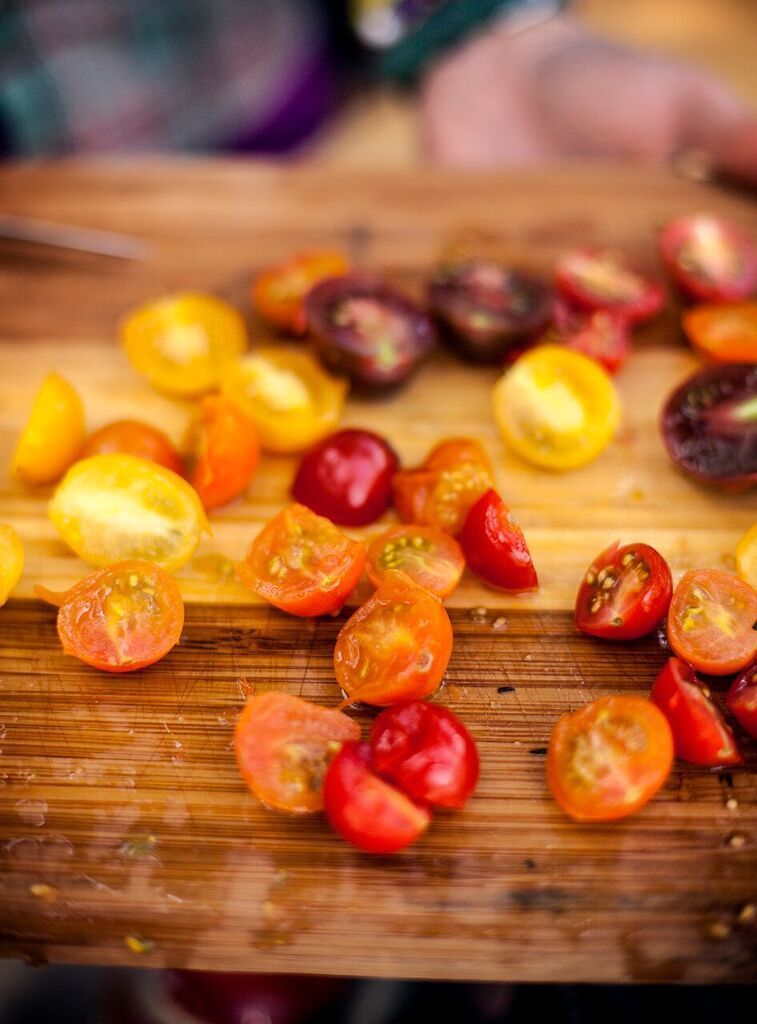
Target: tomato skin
x,y
727,334
600,334
364,809
225,451
746,556
429,557
347,477
278,294
709,259
53,435
494,546
426,750
11,560
601,279
608,758
634,571
132,437
741,700
711,619
700,734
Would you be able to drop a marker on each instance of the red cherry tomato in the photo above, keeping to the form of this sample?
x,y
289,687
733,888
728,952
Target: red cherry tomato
x,y
741,700
494,546
347,477
427,752
709,259
625,593
700,733
225,451
132,437
364,809
430,557
601,334
711,621
601,279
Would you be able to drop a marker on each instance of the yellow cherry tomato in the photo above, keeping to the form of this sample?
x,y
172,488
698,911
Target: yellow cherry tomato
x,y
746,556
292,401
181,343
53,435
11,560
112,507
556,408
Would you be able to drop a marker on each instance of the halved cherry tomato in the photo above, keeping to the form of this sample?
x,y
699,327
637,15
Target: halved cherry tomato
x,y
494,546
609,758
440,492
427,556
11,560
121,618
746,556
53,435
741,700
224,450
112,507
364,809
600,334
284,745
711,621
556,408
302,563
708,258
427,751
181,343
132,437
727,334
624,593
396,646
291,400
700,734
601,279
347,477
279,293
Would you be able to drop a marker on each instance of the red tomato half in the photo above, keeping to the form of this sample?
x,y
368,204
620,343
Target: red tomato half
x,y
709,259
741,700
427,752
225,451
711,621
494,546
364,809
601,279
700,733
601,334
625,593
132,437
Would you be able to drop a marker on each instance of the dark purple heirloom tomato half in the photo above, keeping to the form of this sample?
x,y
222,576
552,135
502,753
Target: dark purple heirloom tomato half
x,y
366,330
709,425
486,308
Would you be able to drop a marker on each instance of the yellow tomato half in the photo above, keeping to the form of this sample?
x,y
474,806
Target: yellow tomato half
x,y
54,433
746,556
11,560
112,507
556,408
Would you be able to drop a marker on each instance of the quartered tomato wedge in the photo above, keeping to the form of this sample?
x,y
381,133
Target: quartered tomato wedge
x,y
395,646
121,618
181,343
609,758
11,560
600,334
746,556
556,408
741,700
224,451
711,621
624,593
291,400
278,294
302,563
494,546
700,734
53,435
727,334
709,259
427,556
112,507
132,437
284,746
601,279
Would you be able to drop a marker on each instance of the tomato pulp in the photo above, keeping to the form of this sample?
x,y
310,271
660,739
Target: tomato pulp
x,y
624,593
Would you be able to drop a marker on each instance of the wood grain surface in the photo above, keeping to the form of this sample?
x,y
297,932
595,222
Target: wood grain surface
x,y
126,835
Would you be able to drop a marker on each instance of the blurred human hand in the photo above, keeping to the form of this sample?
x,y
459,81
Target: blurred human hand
x,y
557,91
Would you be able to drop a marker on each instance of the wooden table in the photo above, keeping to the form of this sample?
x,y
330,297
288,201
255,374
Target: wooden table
x,y
126,835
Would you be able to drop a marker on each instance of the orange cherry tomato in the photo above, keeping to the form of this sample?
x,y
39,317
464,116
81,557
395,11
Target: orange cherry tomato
x,y
609,758
303,564
711,621
279,292
225,451
725,333
11,560
429,557
396,646
121,618
284,745
132,437
746,556
53,435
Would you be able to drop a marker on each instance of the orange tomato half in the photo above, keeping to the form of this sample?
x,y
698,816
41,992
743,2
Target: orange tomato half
x,y
11,560
132,437
279,292
711,621
53,435
225,451
429,557
727,333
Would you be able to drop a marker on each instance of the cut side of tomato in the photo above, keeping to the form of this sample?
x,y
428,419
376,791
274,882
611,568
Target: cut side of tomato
x,y
741,700
746,556
601,335
709,259
429,557
727,334
54,433
132,437
700,734
284,746
711,621
278,295
225,451
11,560
609,758
602,279
494,546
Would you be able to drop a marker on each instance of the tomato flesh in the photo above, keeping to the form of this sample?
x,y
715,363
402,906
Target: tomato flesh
x,y
278,295
54,433
11,560
727,334
132,437
746,556
225,451
741,700
709,259
600,334
624,593
711,621
601,279
494,546
427,556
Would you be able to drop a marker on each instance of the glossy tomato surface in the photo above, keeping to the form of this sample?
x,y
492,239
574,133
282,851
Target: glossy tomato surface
x,y
426,750
602,279
54,433
284,745
624,593
366,810
224,450
11,560
727,334
347,477
600,334
278,294
741,700
494,546
709,259
700,733
132,437
711,621
427,556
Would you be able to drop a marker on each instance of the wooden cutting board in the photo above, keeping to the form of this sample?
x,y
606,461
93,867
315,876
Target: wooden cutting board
x,y
126,835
